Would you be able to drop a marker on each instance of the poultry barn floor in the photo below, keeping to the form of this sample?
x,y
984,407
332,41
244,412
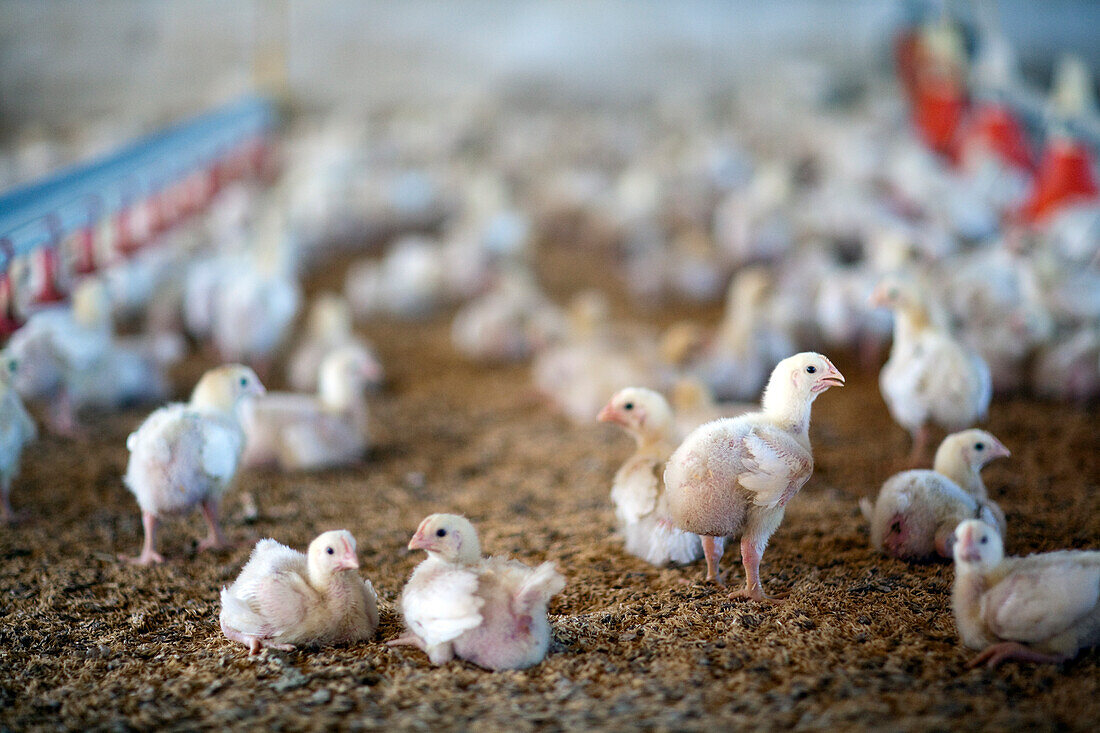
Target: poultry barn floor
x,y
87,642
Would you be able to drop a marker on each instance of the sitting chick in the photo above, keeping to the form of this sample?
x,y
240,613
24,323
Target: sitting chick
x,y
299,432
489,611
917,511
638,489
284,599
1040,608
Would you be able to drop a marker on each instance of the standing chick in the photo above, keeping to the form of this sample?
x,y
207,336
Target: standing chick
x,y
187,453
930,377
917,511
301,432
16,430
640,504
488,611
735,476
328,327
284,599
1040,608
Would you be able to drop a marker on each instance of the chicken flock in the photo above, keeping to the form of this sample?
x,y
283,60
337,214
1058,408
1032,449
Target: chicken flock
x,y
992,281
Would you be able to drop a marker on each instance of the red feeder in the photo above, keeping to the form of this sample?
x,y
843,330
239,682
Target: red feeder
x,y
9,323
126,242
83,251
937,113
907,57
993,127
47,263
1065,177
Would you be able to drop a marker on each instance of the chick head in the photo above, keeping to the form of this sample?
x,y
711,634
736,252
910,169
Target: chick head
x,y
974,447
643,413
332,552
448,537
800,378
978,545
329,317
222,388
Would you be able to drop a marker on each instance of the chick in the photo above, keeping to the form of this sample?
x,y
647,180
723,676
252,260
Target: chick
x,y
17,429
187,453
309,432
1040,608
489,611
640,506
284,599
329,326
735,476
693,404
930,377
917,511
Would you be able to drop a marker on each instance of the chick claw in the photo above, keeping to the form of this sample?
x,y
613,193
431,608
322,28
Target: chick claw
x,y
756,593
997,653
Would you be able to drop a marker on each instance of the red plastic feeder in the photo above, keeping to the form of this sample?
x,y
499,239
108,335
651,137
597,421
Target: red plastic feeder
x,y
907,57
1065,177
82,246
937,114
47,263
993,127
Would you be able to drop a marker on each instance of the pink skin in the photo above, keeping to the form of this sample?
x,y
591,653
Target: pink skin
x,y
921,440
214,540
753,590
148,556
897,537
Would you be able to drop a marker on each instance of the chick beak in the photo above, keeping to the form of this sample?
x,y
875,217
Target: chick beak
x,y
610,414
966,549
420,539
998,450
348,561
831,378
878,298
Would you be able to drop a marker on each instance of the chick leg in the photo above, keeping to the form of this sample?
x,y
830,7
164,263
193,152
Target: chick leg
x,y
750,558
148,555
407,639
997,653
920,445
712,551
214,537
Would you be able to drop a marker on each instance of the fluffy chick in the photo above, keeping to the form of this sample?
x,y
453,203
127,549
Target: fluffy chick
x,y
930,377
1040,608
735,476
187,453
17,429
917,511
637,492
300,432
489,611
284,599
328,326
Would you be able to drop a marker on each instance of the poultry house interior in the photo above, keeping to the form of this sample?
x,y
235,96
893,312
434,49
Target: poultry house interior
x,y
508,260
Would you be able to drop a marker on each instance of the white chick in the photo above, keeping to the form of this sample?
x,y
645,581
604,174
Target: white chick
x,y
329,326
489,611
735,365
693,404
283,599
253,316
930,377
508,323
1040,608
300,432
408,282
917,511
1069,369
187,453
637,492
734,477
17,429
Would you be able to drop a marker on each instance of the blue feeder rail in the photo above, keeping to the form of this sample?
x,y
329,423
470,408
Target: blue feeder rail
x,y
119,202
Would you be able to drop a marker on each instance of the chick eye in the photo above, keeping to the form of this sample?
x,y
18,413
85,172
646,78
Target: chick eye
x,y
984,539
244,381
12,366
441,533
330,551
628,406
811,369
979,446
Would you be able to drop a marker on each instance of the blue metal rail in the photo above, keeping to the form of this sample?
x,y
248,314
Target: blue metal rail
x,y
44,213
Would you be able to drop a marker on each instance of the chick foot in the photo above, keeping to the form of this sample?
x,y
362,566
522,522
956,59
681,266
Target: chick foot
x,y
997,653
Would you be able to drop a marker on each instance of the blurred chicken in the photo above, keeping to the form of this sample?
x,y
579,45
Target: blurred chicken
x,y
328,327
1069,368
408,282
693,404
187,453
508,323
489,611
17,429
930,377
300,432
917,511
637,492
283,599
748,341
734,477
1040,608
